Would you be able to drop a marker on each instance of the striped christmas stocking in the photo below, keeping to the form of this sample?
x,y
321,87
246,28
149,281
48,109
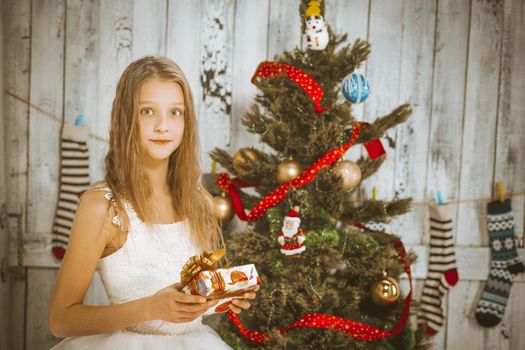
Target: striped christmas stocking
x,y
74,179
505,265
442,270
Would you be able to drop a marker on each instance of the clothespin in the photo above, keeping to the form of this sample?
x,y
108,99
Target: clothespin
x,y
79,121
374,191
213,167
439,197
501,190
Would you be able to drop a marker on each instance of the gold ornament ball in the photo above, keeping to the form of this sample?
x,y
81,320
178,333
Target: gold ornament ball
x,y
350,172
288,170
239,161
386,291
222,208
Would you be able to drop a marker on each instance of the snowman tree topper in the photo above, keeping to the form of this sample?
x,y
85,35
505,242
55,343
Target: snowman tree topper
x,y
316,33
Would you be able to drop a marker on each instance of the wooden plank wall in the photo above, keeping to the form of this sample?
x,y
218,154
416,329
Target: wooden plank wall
x,y
461,64
16,59
4,287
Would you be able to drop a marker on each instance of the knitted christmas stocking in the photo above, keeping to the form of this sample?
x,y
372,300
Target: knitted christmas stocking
x,y
505,264
442,270
74,179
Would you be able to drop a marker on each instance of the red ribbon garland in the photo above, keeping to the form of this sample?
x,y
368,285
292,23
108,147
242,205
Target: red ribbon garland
x,y
312,88
254,336
359,331
277,195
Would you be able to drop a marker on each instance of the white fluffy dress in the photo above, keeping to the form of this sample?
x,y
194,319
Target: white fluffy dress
x,y
147,262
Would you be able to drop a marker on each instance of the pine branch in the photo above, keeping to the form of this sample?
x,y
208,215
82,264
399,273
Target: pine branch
x,y
223,158
374,210
273,132
255,121
369,166
381,125
358,54
258,171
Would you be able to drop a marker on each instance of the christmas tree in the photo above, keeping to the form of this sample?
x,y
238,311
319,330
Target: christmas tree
x,y
323,270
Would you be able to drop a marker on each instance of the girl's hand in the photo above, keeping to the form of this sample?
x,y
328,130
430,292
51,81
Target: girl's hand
x,y
237,304
171,305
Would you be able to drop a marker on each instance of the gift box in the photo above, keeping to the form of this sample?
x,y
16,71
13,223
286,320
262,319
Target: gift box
x,y
223,284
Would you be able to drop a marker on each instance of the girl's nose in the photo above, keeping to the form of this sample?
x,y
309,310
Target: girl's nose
x,y
162,124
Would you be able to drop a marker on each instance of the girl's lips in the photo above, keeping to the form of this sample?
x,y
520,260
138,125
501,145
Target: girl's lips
x,y
161,142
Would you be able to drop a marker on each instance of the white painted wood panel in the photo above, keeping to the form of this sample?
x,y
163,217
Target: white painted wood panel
x,y
250,48
415,86
383,70
479,125
183,40
149,28
81,65
509,164
40,284
516,310
216,58
284,27
447,100
81,90
184,44
46,90
47,80
354,22
115,39
480,115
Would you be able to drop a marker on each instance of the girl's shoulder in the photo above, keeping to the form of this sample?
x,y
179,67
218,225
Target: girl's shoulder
x,y
98,209
96,199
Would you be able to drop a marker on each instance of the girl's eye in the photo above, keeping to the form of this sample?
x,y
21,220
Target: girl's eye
x,y
176,113
146,111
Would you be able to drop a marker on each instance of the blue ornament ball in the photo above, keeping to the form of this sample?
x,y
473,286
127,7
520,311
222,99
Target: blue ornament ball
x,y
356,87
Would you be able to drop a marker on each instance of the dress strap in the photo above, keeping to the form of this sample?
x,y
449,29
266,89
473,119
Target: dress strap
x,y
117,220
103,186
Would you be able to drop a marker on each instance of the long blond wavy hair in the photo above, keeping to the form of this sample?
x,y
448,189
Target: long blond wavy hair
x,y
124,172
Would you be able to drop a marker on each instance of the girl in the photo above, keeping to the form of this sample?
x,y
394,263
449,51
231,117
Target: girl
x,y
140,225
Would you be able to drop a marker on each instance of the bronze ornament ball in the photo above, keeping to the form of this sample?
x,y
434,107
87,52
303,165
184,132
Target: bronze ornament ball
x,y
350,172
386,291
288,170
239,161
223,208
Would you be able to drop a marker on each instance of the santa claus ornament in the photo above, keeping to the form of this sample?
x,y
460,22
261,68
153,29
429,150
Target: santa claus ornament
x,y
292,237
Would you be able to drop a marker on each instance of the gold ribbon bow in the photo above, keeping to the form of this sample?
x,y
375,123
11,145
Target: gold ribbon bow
x,y
198,263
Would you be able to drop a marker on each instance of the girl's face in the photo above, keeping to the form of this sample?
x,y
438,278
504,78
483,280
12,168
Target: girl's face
x,y
161,118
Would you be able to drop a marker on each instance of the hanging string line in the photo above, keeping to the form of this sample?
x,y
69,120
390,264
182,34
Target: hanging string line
x,y
467,200
49,114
